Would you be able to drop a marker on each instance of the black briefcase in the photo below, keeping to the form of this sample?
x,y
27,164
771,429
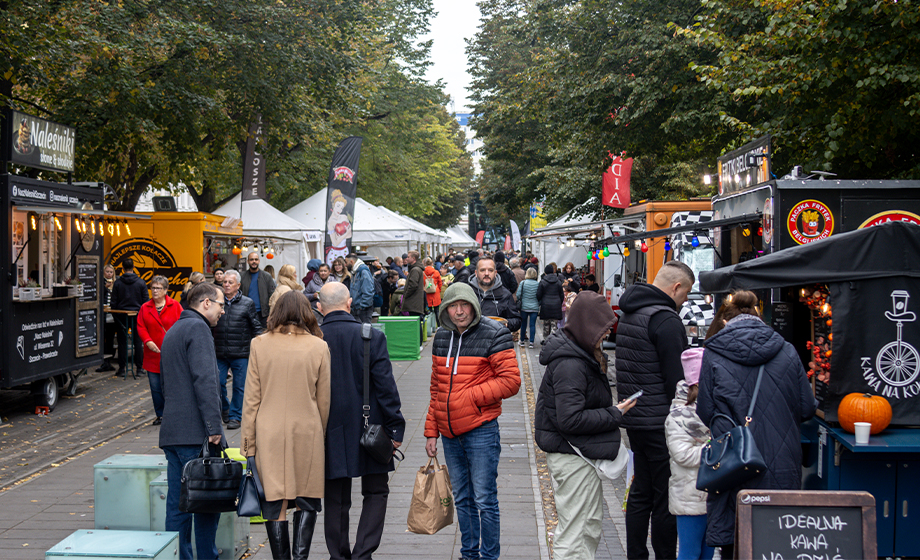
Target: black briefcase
x,y
210,484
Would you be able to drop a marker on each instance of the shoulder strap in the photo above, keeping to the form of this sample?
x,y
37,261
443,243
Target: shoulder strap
x,y
366,335
748,418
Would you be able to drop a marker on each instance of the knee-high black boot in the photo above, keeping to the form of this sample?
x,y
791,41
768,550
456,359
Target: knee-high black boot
x,y
304,524
279,539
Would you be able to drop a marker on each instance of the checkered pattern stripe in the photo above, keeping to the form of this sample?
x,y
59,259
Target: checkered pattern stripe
x,y
680,219
696,312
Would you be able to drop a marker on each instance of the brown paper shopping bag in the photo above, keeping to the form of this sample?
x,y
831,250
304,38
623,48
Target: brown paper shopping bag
x,y
432,506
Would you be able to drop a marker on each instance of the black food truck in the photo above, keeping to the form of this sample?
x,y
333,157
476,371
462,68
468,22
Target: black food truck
x,y
51,236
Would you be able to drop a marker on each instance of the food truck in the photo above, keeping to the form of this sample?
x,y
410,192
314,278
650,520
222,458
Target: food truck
x,y
52,236
175,244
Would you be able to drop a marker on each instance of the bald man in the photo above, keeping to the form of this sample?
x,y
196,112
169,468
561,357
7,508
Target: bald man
x,y
345,458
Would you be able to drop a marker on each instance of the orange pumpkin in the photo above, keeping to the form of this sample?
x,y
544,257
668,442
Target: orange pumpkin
x,y
864,407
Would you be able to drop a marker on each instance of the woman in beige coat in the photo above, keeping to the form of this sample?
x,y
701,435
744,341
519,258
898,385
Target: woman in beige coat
x,y
287,281
285,411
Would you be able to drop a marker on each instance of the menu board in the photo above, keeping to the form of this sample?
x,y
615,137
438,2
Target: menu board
x,y
88,275
87,328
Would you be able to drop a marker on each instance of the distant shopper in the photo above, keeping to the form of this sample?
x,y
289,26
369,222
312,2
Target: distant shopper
x,y
191,414
257,285
568,271
128,294
414,298
219,277
530,306
432,286
232,337
362,289
550,296
156,317
727,378
287,281
345,458
575,410
686,436
194,278
462,273
519,272
285,414
340,272
473,369
509,280
494,299
650,339
317,281
591,284
109,327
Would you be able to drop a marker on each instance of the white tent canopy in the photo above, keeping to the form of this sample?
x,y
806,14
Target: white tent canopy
x,y
296,242
459,239
378,232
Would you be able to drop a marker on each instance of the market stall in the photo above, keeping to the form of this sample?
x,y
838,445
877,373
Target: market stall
x,y
845,303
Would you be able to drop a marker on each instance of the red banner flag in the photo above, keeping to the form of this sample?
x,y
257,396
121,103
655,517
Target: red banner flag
x,y
480,236
616,183
507,243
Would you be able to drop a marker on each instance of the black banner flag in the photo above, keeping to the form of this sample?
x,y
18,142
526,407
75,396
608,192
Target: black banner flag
x,y
340,198
254,164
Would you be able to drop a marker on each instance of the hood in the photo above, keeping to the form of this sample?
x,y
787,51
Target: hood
x,y
458,292
590,316
685,416
559,345
551,278
318,282
429,270
638,296
358,264
500,267
474,282
131,278
748,342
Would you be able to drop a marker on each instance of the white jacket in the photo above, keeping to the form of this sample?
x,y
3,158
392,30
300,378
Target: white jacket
x,y
686,435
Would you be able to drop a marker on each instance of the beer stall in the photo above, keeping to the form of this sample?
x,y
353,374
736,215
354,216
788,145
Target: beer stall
x,y
52,236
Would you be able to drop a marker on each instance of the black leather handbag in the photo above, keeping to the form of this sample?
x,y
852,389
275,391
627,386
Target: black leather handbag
x,y
250,497
374,439
210,484
732,459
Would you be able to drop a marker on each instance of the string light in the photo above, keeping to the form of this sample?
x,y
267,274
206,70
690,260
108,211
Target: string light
x,y
92,224
101,229
746,231
127,227
111,229
626,250
606,252
695,242
644,247
760,231
34,225
667,245
57,223
118,229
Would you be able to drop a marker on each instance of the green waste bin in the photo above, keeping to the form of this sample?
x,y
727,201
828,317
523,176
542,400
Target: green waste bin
x,y
402,337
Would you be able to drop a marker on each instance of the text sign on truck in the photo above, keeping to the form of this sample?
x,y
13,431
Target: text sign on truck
x,y
786,524
745,167
36,142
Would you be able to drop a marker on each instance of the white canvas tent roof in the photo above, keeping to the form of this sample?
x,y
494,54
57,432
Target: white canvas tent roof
x,y
459,238
429,234
261,219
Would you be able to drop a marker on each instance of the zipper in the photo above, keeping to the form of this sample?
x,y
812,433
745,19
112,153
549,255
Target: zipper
x,y
450,373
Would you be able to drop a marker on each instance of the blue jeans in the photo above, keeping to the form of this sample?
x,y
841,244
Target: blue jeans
x,y
238,366
691,536
156,391
529,318
472,460
205,523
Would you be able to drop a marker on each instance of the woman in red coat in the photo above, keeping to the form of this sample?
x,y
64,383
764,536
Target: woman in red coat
x,y
155,317
433,299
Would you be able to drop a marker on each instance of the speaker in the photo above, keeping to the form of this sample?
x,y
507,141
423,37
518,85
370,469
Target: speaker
x,y
164,204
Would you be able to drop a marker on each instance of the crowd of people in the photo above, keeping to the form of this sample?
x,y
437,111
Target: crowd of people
x,y
297,353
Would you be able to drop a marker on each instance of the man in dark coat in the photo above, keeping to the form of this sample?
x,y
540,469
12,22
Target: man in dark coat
x,y
235,330
509,281
494,299
257,285
345,458
549,294
414,299
461,272
727,379
650,339
192,411
129,293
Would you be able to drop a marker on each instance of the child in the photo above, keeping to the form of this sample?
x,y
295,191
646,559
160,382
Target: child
x,y
686,434
569,290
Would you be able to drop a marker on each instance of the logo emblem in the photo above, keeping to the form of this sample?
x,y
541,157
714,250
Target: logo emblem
x,y
891,216
810,220
343,174
897,364
151,259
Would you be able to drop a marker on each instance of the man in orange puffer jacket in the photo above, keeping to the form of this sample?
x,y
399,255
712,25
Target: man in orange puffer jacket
x,y
473,369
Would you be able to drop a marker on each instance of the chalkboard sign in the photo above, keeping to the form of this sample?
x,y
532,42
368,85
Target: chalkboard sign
x,y
87,328
88,274
805,525
782,319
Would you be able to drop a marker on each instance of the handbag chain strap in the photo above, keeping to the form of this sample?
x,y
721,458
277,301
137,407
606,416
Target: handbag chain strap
x,y
366,335
748,419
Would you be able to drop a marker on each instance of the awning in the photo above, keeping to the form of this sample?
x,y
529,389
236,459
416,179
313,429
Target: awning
x,y
72,210
668,232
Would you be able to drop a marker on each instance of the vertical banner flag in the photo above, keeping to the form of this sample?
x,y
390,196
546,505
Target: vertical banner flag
x,y
537,217
340,198
616,183
480,236
515,236
507,246
254,164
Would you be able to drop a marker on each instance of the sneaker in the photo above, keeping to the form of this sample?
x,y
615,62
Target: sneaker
x,y
523,343
157,422
120,372
106,366
233,425
531,344
225,416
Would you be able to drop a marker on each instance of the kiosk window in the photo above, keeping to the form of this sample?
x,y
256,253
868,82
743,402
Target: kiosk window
x,y
43,248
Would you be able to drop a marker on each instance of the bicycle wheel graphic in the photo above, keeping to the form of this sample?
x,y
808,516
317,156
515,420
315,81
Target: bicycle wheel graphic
x,y
898,363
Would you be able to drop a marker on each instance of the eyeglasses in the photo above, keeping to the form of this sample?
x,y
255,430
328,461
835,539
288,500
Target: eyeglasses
x,y
152,288
222,304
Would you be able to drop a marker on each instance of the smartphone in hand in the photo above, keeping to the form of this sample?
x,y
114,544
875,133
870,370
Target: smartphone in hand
x,y
634,396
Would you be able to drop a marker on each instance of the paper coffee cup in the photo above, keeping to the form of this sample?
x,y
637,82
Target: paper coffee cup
x,y
862,432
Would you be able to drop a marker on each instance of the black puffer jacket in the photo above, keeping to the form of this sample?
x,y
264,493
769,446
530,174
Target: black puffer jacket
x,y
463,275
497,302
575,403
508,279
236,328
549,294
727,379
650,339
129,292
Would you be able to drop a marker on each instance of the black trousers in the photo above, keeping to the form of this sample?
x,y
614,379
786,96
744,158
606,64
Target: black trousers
x,y
122,334
376,490
648,497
